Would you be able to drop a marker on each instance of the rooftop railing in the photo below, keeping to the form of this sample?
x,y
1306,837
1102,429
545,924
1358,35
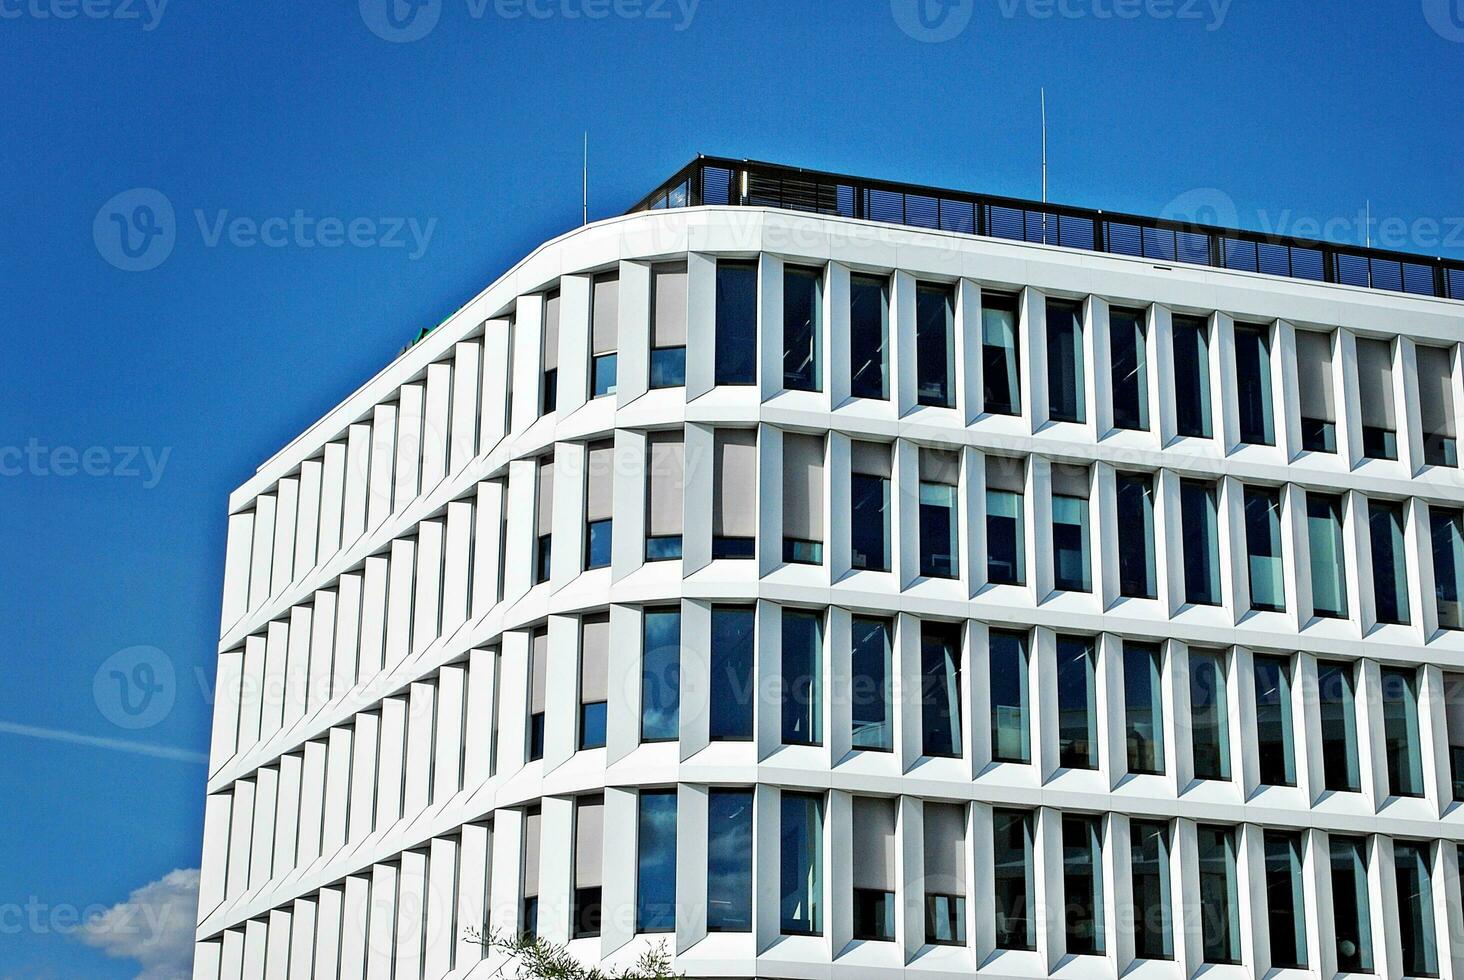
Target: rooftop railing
x,y
746,183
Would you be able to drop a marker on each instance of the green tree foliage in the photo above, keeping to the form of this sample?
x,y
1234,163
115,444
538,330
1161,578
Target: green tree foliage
x,y
532,958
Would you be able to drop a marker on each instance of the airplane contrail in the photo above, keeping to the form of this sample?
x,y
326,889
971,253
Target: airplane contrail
x,y
115,744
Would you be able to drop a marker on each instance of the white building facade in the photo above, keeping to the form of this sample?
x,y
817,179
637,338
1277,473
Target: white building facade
x,y
823,593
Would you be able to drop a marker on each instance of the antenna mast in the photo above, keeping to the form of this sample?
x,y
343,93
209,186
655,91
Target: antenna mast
x,y
1044,164
585,182
1044,146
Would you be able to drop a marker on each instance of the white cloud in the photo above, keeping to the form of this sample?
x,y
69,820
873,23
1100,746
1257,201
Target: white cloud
x,y
155,927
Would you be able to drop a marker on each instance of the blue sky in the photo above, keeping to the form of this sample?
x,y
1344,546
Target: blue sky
x,y
134,401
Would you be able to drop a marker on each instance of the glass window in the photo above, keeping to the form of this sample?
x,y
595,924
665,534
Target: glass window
x,y
538,686
803,498
1201,529
1328,563
1070,566
729,860
1337,697
1350,904
734,505
544,520
1400,731
1274,743
1082,877
736,352
938,544
874,869
1209,715
599,498
1375,397
1219,894
604,335
1010,735
1065,391
869,330
1012,839
801,872
655,886
1006,533
1454,729
498,699
1314,390
1149,850
1263,548
1253,384
603,375
869,486
1136,574
940,689
802,678
532,849
1005,538
935,329
1192,377
945,874
870,528
1143,692
589,849
945,919
1077,703
1436,406
665,500
1127,332
668,367
597,545
668,326
1415,908
871,678
1001,387
802,328
1446,531
732,687
1285,900
549,388
1390,575
661,676
594,680
503,551
874,915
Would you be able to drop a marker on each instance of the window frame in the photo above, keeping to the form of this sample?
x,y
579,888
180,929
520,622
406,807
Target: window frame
x,y
812,380
1134,416
731,341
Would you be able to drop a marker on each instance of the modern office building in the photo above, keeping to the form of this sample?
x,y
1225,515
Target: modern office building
x,y
833,578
